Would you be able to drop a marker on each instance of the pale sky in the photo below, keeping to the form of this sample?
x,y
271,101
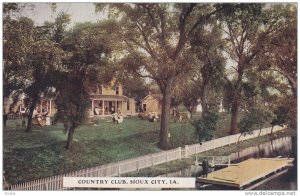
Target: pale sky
x,y
80,12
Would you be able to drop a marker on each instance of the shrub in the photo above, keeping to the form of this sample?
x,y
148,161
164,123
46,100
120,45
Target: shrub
x,y
207,125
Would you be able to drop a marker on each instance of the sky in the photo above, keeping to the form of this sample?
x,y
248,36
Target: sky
x,y
80,12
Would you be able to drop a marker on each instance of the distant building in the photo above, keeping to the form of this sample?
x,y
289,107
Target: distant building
x,y
152,103
44,106
106,100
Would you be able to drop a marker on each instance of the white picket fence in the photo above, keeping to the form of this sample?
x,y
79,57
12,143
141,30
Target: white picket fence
x,y
135,164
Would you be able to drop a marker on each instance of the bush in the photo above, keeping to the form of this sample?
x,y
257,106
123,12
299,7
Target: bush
x,y
207,125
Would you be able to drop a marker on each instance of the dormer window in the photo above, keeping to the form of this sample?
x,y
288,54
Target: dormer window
x,y
117,90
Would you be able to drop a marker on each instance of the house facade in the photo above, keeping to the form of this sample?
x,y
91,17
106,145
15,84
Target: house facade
x,y
105,100
152,103
44,106
109,99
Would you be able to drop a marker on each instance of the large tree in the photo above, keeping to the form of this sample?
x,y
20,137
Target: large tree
x,y
207,45
29,57
87,49
155,36
282,59
247,28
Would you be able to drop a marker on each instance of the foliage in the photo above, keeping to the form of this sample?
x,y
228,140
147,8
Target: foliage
x,y
255,117
86,66
155,38
30,58
247,30
281,116
207,45
207,125
134,86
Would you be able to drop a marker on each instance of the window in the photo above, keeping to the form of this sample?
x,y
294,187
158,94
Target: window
x,y
144,107
117,90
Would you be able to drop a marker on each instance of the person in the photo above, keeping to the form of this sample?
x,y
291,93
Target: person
x,y
205,167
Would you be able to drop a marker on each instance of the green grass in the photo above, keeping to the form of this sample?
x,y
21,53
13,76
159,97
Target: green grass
x,y
42,153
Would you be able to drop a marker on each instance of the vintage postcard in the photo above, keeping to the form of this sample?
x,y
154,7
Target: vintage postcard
x,y
149,96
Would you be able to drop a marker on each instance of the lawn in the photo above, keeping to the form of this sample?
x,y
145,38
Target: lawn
x,y
41,153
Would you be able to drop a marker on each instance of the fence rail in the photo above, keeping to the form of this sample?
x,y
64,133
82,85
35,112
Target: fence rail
x,y
135,164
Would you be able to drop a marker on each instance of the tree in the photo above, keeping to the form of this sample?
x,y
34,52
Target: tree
x,y
186,92
280,118
247,28
207,44
135,87
281,58
207,125
44,58
155,36
17,31
17,35
88,52
29,56
255,117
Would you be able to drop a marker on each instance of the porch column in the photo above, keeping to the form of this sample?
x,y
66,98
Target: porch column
x,y
102,108
116,107
93,107
50,107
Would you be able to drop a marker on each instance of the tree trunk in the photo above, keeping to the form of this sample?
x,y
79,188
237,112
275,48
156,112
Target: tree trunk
x,y
191,112
271,132
234,118
29,118
164,123
236,103
203,98
259,131
70,137
239,140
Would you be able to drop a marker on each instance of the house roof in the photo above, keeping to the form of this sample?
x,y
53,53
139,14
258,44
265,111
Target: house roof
x,y
158,97
109,97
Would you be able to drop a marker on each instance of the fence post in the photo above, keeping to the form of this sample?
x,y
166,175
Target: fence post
x,y
179,149
119,169
167,156
229,161
152,160
186,151
137,164
214,144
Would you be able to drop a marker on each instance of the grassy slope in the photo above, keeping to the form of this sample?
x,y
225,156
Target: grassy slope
x,y
28,156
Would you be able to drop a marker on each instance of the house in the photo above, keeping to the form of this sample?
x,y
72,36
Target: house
x,y
19,108
109,99
152,103
105,100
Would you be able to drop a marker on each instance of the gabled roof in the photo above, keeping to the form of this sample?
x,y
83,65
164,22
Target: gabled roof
x,y
158,97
